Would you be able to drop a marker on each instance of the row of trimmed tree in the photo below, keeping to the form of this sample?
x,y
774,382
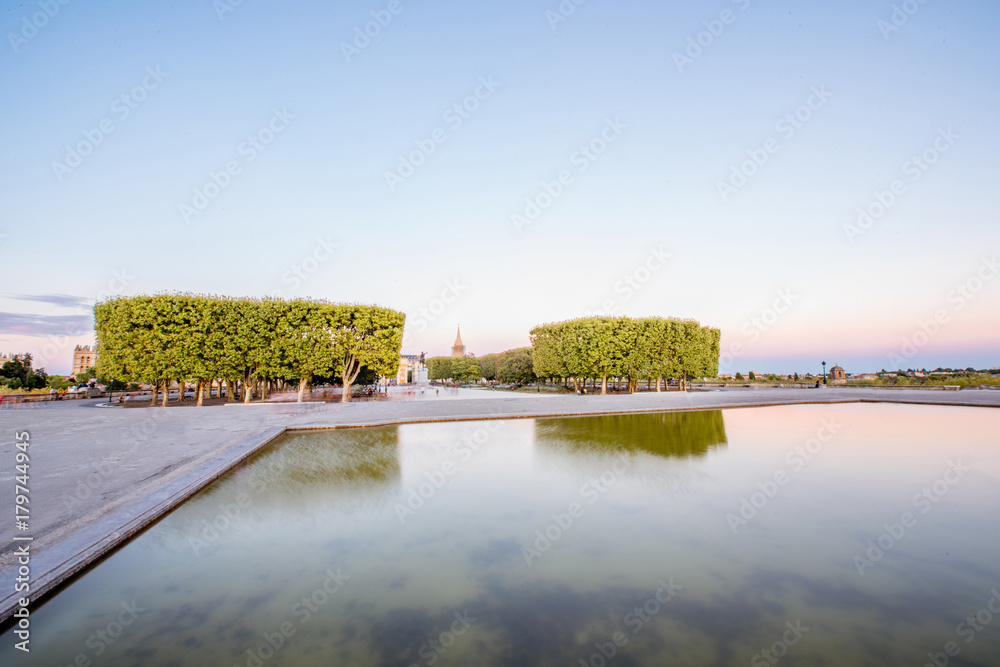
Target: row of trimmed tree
x,y
651,348
252,345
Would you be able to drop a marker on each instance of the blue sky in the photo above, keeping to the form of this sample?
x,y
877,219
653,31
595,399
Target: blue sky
x,y
309,129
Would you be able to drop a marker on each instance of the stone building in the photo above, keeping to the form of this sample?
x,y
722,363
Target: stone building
x,y
411,369
458,349
837,375
83,358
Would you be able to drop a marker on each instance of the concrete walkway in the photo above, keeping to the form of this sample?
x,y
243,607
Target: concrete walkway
x,y
99,475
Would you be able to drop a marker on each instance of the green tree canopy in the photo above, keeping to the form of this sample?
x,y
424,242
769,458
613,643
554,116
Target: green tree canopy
x,y
181,337
603,347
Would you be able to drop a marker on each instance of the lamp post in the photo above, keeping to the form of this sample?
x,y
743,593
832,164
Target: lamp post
x,y
824,372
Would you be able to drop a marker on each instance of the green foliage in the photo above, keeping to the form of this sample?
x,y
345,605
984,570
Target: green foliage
x,y
602,347
58,383
457,369
488,366
18,374
465,369
439,368
365,336
752,376
85,376
516,366
162,337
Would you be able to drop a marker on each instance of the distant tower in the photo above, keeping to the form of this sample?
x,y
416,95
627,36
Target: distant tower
x,y
458,349
83,358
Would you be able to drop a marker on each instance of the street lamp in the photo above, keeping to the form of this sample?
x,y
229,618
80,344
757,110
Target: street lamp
x,y
824,372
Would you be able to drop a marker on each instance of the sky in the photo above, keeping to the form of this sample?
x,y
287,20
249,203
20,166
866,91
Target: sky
x,y
818,181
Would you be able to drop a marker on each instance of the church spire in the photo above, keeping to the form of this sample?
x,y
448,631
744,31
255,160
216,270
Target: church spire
x,y
458,349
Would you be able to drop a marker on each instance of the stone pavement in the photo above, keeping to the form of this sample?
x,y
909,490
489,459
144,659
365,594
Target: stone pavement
x,y
99,475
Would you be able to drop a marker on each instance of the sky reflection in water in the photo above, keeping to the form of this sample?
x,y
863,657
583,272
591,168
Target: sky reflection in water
x,y
551,532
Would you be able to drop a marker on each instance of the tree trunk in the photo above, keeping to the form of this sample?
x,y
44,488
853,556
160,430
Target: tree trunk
x,y
156,394
659,380
198,393
247,390
166,392
349,373
576,384
180,392
604,385
303,385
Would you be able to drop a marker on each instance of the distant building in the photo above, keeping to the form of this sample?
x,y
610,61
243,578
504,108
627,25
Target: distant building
x,y
83,358
837,374
725,376
411,369
458,349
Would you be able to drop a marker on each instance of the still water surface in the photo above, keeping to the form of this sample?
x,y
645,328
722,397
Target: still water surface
x,y
823,535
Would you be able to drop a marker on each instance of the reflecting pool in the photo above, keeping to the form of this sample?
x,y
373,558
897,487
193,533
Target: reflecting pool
x,y
857,534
